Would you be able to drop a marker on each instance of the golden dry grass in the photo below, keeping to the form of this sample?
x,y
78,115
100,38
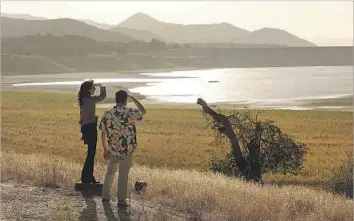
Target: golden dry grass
x,y
36,122
204,193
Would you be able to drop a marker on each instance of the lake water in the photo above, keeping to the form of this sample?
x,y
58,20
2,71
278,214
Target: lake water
x,y
254,86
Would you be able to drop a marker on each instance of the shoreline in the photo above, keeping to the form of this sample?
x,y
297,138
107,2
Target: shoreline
x,y
324,104
142,72
344,103
125,72
239,106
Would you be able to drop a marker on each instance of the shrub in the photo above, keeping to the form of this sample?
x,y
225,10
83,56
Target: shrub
x,y
341,180
279,152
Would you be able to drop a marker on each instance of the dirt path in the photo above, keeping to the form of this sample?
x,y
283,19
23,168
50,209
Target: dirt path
x,y
22,202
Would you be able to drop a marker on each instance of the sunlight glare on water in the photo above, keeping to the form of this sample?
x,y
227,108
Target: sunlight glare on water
x,y
254,86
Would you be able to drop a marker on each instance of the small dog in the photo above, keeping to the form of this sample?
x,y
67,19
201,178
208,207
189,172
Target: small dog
x,y
140,187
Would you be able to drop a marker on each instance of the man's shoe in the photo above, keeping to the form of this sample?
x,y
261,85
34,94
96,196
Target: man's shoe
x,y
85,182
105,200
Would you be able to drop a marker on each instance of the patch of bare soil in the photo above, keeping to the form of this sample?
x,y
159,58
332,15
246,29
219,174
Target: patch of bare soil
x,y
23,202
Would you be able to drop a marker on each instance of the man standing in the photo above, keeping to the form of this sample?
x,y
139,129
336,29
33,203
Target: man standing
x,y
119,132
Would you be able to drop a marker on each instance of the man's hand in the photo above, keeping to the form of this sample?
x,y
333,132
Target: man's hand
x,y
129,97
138,104
105,154
104,145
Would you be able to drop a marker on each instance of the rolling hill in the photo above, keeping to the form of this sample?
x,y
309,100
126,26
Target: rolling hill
x,y
11,27
23,16
49,46
144,27
276,36
41,54
222,32
97,24
30,17
208,33
143,35
178,33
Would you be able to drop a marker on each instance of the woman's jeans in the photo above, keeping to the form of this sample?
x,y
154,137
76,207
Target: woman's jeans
x,y
89,135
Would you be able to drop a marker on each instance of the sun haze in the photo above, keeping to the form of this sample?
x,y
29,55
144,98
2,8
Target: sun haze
x,y
322,22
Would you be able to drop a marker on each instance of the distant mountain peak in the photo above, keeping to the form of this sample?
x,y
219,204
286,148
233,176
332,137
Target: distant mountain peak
x,y
142,21
141,17
226,24
268,29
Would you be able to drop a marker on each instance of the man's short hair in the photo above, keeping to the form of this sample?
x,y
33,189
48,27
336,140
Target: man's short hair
x,y
121,96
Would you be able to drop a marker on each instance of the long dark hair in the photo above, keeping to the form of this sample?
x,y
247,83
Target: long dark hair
x,y
84,91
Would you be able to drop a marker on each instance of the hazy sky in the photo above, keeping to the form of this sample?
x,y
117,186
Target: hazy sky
x,y
323,22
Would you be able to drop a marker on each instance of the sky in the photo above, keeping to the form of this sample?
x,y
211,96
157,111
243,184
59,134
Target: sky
x,y
322,22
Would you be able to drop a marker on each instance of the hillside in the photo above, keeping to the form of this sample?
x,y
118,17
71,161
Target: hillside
x,y
54,54
223,32
20,27
97,24
143,27
143,35
141,21
136,34
23,16
184,33
217,33
276,36
234,45
30,17
49,45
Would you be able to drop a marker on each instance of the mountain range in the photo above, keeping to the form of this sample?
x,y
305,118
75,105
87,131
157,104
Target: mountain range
x,y
143,27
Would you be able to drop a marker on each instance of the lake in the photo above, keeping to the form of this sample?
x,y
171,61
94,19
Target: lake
x,y
257,87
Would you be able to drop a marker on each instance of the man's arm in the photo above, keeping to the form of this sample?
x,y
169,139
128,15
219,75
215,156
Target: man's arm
x,y
138,105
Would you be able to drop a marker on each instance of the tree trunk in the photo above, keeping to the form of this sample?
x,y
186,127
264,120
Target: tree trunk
x,y
237,154
255,166
229,132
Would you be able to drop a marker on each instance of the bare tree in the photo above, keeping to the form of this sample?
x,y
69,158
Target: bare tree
x,y
256,146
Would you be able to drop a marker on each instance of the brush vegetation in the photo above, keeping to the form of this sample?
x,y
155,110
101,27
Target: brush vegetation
x,y
202,195
41,146
36,122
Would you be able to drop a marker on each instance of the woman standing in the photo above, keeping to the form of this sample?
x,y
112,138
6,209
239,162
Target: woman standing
x,y
88,121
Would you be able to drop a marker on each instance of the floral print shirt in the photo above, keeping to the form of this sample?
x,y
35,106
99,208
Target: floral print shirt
x,y
118,124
